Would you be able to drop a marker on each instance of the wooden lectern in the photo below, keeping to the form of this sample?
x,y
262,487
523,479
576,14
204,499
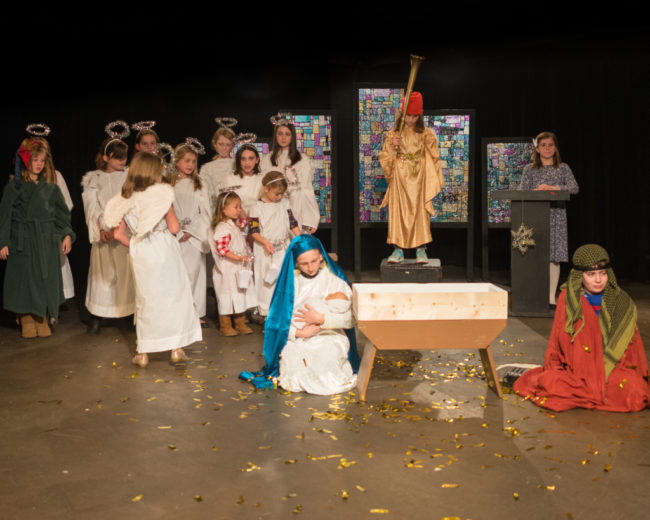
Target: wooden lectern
x,y
529,272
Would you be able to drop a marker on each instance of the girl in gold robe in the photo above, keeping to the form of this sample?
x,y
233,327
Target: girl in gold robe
x,y
411,163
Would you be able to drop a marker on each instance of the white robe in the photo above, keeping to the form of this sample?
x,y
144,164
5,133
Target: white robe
x,y
193,211
111,289
274,226
319,365
214,174
230,298
300,178
166,318
248,187
66,272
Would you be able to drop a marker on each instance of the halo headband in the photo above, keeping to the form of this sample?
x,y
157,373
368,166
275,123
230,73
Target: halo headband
x,y
109,129
143,125
38,130
167,157
275,180
108,144
282,118
245,138
195,145
226,122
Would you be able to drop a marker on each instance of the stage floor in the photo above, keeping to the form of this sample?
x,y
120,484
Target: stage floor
x,y
85,434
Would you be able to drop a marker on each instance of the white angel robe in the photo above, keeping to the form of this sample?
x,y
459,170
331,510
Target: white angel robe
x,y
166,318
300,178
248,187
193,211
274,226
111,289
66,272
214,174
231,299
319,365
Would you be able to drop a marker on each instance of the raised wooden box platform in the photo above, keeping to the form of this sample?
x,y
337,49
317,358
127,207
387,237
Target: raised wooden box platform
x,y
411,272
401,316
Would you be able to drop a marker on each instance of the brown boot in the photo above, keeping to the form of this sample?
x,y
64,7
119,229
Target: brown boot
x,y
225,326
240,324
42,328
28,326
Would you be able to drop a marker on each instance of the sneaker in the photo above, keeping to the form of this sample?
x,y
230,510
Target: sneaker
x,y
397,257
421,256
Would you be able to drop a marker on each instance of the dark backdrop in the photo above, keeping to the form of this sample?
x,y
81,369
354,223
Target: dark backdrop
x,y
588,85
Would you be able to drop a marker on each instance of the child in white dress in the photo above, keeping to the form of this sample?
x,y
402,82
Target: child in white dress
x,y
110,292
272,226
232,276
222,165
166,318
193,211
297,169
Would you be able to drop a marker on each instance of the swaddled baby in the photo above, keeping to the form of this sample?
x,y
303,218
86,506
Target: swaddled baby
x,y
336,303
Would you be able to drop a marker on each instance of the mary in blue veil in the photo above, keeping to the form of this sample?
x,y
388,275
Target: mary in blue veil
x,y
278,321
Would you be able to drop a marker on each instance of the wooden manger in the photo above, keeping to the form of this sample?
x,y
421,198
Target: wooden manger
x,y
409,316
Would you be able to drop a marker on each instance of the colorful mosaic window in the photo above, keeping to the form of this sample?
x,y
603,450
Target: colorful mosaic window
x,y
377,111
314,139
505,164
452,203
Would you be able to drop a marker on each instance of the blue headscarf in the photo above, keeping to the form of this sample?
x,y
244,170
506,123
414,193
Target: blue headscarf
x,y
278,322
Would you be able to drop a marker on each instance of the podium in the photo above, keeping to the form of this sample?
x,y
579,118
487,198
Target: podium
x,y
529,272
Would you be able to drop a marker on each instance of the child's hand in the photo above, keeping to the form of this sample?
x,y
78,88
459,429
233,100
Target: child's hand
x,y
269,248
105,236
310,315
186,236
4,253
308,331
66,245
246,258
547,187
397,140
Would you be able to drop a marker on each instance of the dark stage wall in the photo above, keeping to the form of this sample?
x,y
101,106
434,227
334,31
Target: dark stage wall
x,y
590,90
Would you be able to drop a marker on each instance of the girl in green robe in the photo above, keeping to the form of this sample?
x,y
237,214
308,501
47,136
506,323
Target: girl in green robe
x,y
34,227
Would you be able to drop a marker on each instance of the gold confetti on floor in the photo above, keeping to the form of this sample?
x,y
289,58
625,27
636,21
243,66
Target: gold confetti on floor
x,y
137,498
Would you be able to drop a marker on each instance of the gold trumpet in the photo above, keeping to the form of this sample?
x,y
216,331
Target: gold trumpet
x,y
415,66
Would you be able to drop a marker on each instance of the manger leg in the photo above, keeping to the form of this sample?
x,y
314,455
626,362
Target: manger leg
x,y
490,370
363,377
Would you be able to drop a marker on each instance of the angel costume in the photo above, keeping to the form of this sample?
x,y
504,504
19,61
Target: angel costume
x,y
274,221
414,177
166,318
111,290
66,272
193,211
326,362
248,187
231,298
300,178
214,174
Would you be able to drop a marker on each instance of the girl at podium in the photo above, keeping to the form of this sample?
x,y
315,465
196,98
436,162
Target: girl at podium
x,y
548,172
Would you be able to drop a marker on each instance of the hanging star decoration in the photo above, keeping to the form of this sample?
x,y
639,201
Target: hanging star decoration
x,y
522,239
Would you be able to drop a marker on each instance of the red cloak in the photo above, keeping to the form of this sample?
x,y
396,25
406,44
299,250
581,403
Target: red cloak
x,y
573,375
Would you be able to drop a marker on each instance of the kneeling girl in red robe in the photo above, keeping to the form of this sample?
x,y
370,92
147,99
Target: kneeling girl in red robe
x,y
595,357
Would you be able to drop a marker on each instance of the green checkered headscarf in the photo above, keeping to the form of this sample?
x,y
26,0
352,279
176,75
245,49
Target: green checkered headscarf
x,y
617,318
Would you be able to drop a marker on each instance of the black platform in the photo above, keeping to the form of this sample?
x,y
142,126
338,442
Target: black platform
x,y
411,272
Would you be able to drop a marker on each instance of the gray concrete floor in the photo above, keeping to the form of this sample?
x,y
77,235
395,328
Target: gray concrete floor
x,y
87,435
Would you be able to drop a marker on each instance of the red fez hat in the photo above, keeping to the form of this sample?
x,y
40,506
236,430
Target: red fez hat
x,y
415,107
